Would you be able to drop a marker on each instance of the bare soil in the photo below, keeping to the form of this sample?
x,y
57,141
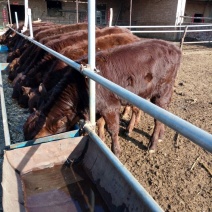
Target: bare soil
x,y
179,175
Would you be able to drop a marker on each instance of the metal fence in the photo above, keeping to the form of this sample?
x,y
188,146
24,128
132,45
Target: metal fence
x,y
193,133
202,31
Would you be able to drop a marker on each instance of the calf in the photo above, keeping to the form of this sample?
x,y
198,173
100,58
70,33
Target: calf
x,y
61,29
59,68
146,68
58,45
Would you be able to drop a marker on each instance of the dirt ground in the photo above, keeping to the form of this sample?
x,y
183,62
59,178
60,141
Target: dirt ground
x,y
179,175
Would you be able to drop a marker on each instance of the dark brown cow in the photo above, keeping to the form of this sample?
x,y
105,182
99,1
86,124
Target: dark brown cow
x,y
61,29
9,34
71,39
146,68
59,68
35,73
75,52
21,43
26,60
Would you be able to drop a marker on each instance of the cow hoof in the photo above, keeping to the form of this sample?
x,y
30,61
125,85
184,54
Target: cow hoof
x,y
151,151
127,134
160,140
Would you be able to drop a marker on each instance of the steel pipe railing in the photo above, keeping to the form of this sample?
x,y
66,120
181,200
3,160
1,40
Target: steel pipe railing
x,y
92,58
148,202
193,133
165,26
171,31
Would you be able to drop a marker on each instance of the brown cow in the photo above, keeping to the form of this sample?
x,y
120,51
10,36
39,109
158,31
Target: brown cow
x,y
74,52
146,68
46,61
61,29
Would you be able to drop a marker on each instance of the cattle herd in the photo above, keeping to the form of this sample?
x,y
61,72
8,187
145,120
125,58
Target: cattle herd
x,y
57,95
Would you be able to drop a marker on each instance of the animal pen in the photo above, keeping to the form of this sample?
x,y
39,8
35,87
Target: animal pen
x,y
119,188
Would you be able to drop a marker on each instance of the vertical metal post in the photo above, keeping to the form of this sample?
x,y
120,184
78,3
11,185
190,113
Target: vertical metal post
x,y
9,12
130,12
16,20
111,17
77,11
30,22
92,57
26,15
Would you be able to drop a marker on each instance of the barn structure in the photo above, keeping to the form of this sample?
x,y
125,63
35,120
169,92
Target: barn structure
x,y
126,12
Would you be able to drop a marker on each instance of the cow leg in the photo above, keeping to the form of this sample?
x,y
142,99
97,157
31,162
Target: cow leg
x,y
112,123
126,112
162,101
136,115
156,136
101,128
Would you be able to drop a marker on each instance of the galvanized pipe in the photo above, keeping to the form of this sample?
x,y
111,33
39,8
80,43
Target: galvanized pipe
x,y
166,26
147,201
30,22
130,12
77,11
9,12
111,17
26,15
16,20
193,133
92,57
171,31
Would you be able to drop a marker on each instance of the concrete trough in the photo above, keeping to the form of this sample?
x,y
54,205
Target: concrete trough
x,y
118,188
115,184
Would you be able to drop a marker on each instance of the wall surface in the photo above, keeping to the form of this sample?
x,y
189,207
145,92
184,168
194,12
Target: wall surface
x,y
193,7
144,12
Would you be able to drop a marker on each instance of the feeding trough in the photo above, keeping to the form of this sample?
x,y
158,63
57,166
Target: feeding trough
x,y
67,172
82,161
3,49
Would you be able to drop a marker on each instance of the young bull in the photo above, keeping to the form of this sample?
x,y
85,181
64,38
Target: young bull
x,y
146,68
77,48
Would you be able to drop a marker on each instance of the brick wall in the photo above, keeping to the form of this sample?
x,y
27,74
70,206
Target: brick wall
x,y
145,12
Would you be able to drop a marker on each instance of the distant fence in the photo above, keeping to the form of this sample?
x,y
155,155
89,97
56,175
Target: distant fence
x,y
179,30
197,18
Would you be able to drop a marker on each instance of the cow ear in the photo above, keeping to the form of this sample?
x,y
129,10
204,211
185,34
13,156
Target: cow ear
x,y
42,89
26,90
61,122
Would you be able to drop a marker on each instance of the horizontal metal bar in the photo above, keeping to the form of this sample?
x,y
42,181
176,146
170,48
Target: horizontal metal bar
x,y
193,133
192,17
165,26
54,53
70,134
192,42
144,196
171,31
